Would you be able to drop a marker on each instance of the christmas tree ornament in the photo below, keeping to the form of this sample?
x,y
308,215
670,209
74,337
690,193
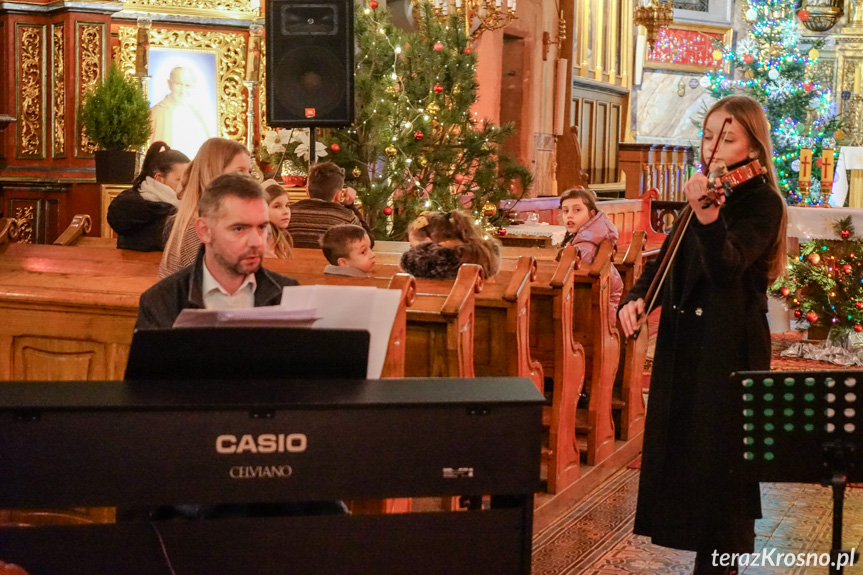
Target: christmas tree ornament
x,y
844,234
751,15
858,304
749,75
795,165
501,231
839,134
437,88
335,148
798,314
356,172
748,58
388,211
803,15
390,151
785,291
814,259
847,268
704,81
467,50
459,178
773,73
717,55
433,108
846,94
373,4
438,46
456,90
391,90
858,328
811,317
489,209
423,161
813,54
418,135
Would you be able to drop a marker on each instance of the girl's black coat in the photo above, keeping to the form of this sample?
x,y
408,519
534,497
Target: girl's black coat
x,y
140,225
713,322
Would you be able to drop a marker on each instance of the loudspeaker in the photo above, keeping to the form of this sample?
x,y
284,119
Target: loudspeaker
x,y
310,63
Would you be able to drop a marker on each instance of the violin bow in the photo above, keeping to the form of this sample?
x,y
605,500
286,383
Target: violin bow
x,y
674,242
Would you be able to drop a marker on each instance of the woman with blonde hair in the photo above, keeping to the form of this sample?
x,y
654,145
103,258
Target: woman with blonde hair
x,y
713,322
217,156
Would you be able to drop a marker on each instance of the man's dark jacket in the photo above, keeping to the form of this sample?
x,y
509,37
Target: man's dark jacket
x,y
161,304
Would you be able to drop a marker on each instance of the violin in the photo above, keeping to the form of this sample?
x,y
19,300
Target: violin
x,y
728,180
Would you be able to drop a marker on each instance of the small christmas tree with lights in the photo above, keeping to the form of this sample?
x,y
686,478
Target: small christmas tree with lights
x,y
415,144
775,68
824,285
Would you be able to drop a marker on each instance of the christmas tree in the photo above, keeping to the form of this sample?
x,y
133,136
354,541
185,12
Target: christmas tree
x,y
824,285
416,145
773,66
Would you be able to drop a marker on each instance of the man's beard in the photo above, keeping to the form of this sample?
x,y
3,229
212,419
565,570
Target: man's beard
x,y
237,267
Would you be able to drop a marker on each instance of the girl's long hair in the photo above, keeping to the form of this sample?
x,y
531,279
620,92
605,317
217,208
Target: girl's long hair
x,y
159,159
455,225
283,243
750,114
212,159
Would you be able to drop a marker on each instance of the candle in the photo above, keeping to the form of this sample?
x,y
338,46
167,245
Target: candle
x,y
805,173
827,169
253,55
142,48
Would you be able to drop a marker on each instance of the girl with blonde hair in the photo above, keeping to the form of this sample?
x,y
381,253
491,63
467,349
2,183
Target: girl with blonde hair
x,y
279,241
713,322
217,156
441,242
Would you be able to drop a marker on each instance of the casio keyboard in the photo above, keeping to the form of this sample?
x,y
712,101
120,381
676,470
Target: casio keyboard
x,y
149,443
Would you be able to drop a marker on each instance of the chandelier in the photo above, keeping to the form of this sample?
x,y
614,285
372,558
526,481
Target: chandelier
x,y
479,15
822,14
653,16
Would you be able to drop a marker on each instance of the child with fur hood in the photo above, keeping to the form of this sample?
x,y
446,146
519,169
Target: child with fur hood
x,y
586,228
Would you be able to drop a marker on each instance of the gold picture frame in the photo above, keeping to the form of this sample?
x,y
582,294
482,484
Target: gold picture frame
x,y
699,57
230,50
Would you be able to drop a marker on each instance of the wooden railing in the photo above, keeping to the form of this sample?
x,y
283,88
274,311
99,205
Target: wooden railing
x,y
665,167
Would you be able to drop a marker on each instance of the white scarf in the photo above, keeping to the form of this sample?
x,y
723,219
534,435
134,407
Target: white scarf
x,y
155,191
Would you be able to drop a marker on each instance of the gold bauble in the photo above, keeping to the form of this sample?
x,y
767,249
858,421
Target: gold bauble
x,y
839,134
390,90
356,172
456,90
433,108
423,161
749,74
390,151
488,209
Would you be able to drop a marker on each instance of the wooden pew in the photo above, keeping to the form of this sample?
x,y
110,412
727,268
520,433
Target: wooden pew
x,y
80,225
8,230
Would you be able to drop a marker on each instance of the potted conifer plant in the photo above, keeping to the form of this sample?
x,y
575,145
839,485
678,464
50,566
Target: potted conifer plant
x,y
116,117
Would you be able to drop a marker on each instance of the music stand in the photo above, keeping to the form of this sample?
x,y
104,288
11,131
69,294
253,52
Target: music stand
x,y
803,427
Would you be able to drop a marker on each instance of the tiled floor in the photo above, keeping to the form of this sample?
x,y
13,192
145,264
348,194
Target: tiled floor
x,y
595,537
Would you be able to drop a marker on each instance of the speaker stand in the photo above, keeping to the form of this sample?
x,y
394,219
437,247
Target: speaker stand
x,y
312,146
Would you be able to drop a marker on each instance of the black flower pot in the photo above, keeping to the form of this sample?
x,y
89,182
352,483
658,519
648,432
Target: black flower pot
x,y
115,166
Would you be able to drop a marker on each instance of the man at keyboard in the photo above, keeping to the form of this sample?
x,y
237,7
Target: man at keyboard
x,y
227,274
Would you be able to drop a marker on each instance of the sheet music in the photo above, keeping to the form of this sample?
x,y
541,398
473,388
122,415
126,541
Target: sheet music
x,y
350,307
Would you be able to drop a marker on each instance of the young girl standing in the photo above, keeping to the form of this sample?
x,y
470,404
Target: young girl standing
x,y
587,227
441,242
713,322
279,243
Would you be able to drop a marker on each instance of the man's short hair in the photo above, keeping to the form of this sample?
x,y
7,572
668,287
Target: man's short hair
x,y
236,185
325,180
337,241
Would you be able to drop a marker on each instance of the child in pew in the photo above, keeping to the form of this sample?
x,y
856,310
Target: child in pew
x,y
586,227
279,242
441,242
349,250
139,214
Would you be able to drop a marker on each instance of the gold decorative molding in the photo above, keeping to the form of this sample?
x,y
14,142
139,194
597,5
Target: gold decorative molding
x,y
30,64
239,9
230,49
58,82
89,49
24,218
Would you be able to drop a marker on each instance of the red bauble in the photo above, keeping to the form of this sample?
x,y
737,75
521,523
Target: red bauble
x,y
811,317
818,162
798,314
748,58
459,178
808,86
858,328
467,50
418,135
388,211
803,15
785,292
438,46
437,88
847,268
501,231
844,234
814,259
335,148
373,4
858,305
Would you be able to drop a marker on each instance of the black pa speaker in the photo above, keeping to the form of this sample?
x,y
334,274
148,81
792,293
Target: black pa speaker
x,y
310,63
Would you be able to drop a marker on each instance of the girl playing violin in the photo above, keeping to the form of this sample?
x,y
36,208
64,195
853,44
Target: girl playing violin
x,y
713,322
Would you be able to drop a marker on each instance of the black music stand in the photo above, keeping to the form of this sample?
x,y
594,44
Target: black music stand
x,y
803,427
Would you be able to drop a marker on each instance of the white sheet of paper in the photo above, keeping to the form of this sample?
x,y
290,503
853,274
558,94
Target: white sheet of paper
x,y
350,307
